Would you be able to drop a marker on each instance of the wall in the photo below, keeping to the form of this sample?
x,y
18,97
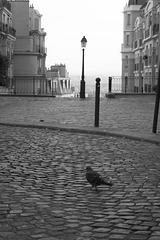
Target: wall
x,y
25,65
24,44
20,12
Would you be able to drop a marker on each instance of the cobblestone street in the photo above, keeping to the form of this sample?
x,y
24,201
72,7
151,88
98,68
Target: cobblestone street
x,y
44,194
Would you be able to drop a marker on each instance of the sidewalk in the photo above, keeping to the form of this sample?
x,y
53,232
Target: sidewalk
x,y
128,116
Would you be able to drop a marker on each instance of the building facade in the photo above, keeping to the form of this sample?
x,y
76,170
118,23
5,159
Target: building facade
x,y
7,37
29,48
140,45
59,80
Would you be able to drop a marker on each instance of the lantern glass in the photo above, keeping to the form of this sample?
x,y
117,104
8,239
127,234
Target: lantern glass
x,y
83,42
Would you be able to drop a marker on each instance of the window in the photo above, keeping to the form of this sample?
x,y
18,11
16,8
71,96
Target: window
x,y
126,59
128,19
4,18
127,40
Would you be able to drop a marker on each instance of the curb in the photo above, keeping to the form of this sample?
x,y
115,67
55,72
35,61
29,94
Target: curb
x,y
142,137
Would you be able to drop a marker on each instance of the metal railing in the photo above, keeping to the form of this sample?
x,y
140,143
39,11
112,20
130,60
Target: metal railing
x,y
133,84
5,28
34,86
41,86
27,86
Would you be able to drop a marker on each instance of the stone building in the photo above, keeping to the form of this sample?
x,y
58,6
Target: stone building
x,y
140,45
29,49
7,36
59,80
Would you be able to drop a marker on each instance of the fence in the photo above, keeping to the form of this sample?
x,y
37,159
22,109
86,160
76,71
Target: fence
x,y
38,86
27,86
133,84
43,87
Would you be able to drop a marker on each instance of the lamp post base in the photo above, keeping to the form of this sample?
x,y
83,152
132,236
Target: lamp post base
x,y
82,89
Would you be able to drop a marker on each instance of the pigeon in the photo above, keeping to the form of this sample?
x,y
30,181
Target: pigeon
x,y
95,179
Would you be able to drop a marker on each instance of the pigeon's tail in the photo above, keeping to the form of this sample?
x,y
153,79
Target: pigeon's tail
x,y
103,182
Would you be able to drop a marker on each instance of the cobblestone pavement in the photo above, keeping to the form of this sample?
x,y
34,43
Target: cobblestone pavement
x,y
44,194
133,113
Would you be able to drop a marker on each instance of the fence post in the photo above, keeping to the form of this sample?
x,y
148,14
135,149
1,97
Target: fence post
x,y
126,82
142,85
110,94
97,101
110,85
33,86
15,87
52,87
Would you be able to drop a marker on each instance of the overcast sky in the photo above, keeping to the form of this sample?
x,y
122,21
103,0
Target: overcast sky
x,y
67,21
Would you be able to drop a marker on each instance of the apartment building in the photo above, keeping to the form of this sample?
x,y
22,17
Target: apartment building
x,y
7,40
140,45
29,48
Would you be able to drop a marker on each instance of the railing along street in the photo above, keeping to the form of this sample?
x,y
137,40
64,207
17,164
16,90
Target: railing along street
x,y
133,84
39,86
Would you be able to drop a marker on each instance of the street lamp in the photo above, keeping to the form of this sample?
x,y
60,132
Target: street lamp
x,y
82,85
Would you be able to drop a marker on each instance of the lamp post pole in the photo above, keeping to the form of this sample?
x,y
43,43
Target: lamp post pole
x,y
82,91
82,85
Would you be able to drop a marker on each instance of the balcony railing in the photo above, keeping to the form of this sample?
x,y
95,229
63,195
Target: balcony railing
x,y
5,28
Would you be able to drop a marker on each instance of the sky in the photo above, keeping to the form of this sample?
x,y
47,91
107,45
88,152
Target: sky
x,y
67,21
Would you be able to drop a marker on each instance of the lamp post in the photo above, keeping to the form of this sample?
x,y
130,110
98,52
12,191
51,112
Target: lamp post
x,y
82,85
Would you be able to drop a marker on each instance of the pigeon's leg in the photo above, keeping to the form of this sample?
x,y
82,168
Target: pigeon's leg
x,y
96,188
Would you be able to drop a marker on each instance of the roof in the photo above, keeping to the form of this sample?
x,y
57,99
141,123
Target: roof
x,y
136,2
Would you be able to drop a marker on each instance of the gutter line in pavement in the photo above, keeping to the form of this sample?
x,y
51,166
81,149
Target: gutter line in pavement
x,y
142,137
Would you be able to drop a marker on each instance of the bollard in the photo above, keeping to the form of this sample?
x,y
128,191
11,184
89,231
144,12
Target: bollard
x,y
156,109
97,101
110,85
126,83
110,94
33,86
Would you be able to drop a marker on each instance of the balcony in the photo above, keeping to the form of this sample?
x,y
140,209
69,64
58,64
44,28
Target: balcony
x,y
6,29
